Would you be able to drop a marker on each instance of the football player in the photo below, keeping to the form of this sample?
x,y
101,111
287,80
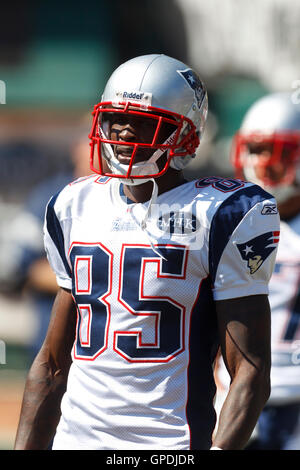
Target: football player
x,y
154,273
266,151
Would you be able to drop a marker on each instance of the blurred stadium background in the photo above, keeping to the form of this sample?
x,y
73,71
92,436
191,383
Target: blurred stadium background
x,y
54,60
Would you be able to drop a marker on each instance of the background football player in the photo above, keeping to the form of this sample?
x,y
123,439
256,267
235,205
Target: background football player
x,y
266,150
145,299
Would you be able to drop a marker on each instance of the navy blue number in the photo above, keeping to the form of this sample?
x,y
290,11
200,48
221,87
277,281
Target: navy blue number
x,y
91,284
223,184
169,314
93,311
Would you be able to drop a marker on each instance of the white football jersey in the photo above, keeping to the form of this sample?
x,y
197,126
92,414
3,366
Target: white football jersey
x,y
285,305
145,282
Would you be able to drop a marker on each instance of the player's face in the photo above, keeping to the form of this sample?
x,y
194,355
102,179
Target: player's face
x,y
265,166
126,128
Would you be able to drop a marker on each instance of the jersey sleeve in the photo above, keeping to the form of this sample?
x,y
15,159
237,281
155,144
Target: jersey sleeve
x,y
243,244
54,242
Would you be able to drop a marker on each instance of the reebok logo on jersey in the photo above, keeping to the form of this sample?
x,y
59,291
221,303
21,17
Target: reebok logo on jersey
x,y
256,251
269,209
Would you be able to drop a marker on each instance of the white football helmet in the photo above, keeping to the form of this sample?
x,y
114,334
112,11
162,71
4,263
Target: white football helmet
x,y
272,124
155,87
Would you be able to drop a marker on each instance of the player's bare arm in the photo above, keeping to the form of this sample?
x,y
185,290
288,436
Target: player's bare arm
x,y
244,325
47,378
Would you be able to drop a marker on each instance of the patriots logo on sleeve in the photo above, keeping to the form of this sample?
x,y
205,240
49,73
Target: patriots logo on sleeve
x,y
257,250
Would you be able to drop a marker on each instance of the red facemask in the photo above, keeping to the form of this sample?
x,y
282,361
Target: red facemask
x,y
282,149
171,132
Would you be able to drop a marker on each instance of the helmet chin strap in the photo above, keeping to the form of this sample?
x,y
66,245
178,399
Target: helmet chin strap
x,y
140,168
115,166
143,223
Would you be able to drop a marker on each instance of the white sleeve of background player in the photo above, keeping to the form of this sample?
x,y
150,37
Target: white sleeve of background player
x,y
54,243
247,261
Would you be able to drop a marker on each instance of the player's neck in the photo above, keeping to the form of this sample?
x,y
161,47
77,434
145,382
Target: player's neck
x,y
289,208
142,192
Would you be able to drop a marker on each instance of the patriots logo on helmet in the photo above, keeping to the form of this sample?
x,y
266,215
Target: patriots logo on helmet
x,y
195,83
256,251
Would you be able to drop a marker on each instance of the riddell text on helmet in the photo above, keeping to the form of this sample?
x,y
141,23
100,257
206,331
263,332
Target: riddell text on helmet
x,y
132,95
